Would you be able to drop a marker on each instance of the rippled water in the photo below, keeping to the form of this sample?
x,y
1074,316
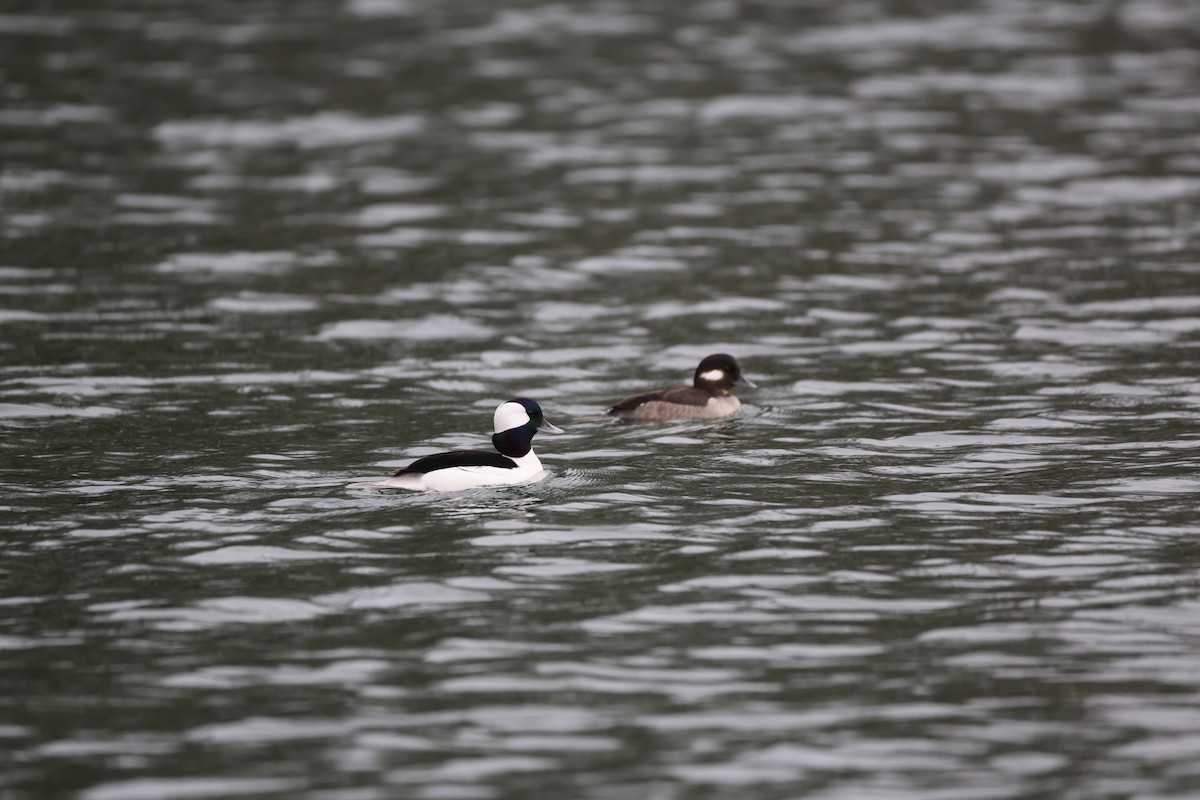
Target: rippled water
x,y
253,251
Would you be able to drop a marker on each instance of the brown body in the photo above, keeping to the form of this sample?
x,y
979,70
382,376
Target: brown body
x,y
708,397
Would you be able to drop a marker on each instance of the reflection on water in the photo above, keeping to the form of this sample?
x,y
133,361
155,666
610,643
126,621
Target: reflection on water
x,y
945,549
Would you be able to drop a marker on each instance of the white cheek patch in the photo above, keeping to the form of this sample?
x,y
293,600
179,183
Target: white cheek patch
x,y
712,375
509,416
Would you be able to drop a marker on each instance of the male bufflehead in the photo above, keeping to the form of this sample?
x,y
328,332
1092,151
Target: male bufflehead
x,y
515,423
707,398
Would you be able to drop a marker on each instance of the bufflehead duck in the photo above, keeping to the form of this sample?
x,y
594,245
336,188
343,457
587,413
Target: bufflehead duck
x,y
707,398
515,423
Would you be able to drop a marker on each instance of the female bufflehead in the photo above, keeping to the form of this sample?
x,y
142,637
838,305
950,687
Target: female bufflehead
x,y
707,398
515,423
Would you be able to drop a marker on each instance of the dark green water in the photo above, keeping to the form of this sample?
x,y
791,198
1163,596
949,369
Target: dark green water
x,y
253,251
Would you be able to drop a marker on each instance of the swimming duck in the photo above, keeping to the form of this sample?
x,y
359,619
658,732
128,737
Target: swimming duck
x,y
514,424
707,398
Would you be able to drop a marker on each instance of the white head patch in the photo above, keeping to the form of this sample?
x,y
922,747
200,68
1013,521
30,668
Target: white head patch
x,y
712,375
509,416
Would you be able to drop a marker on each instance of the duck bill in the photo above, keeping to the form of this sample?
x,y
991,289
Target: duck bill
x,y
744,381
548,427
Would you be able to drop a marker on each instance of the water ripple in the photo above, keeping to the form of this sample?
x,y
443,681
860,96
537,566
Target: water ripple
x,y
946,549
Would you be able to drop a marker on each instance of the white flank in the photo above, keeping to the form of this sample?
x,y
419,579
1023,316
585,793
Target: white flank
x,y
453,479
456,478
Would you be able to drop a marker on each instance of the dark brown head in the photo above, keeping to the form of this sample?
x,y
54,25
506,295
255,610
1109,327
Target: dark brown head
x,y
718,373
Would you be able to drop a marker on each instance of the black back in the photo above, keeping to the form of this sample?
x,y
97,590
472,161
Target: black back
x,y
457,458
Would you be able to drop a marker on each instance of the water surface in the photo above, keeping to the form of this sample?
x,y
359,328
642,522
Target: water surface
x,y
253,253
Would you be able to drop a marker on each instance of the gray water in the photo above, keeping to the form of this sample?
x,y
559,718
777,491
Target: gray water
x,y
254,251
